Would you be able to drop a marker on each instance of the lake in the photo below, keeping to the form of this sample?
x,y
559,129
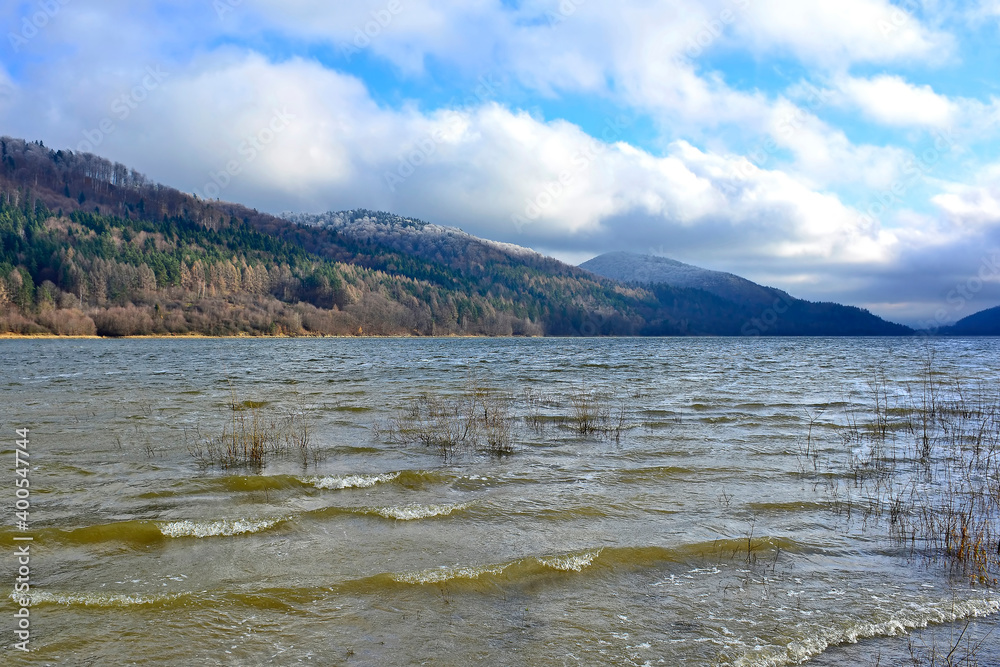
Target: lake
x,y
713,516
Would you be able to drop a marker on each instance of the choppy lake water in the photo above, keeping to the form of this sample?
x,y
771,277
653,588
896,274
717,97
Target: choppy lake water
x,y
575,550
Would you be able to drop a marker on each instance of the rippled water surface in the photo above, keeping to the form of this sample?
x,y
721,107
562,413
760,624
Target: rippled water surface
x,y
712,531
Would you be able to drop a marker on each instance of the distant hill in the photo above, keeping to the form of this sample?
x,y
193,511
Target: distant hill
x,y
984,323
764,310
646,269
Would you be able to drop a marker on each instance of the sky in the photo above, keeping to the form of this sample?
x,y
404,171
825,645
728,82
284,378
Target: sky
x,y
840,151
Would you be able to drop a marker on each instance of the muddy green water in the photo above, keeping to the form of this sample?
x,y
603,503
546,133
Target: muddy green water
x,y
575,550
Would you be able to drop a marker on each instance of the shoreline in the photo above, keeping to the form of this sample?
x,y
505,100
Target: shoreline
x,y
198,336
51,336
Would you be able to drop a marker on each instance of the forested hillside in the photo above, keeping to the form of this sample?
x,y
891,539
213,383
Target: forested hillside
x,y
88,246
984,323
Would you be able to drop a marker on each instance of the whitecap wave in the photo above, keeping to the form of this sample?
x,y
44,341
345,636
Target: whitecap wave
x,y
221,528
921,616
351,481
413,512
571,562
442,574
94,599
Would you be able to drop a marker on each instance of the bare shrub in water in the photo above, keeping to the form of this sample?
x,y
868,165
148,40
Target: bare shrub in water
x,y
928,463
484,419
252,434
533,408
479,419
600,413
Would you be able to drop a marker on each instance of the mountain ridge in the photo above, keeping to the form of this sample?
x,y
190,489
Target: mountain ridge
x,y
984,323
647,269
91,246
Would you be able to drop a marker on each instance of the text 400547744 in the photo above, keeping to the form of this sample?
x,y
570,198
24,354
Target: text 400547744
x,y
22,503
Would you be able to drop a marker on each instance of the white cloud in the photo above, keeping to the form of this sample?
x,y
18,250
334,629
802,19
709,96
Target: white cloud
x,y
983,10
8,91
477,167
891,100
477,163
834,35
823,155
640,53
973,206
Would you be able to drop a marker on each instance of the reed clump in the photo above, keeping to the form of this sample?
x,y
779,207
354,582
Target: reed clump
x,y
924,459
483,419
532,399
253,434
599,413
479,419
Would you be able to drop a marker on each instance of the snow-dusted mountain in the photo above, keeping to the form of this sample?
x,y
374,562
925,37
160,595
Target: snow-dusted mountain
x,y
647,269
766,310
447,245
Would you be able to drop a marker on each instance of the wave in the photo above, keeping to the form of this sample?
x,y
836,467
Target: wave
x,y
413,511
220,528
652,474
409,479
137,532
255,483
603,558
790,506
443,574
150,532
571,563
565,513
521,569
96,599
245,483
909,618
351,481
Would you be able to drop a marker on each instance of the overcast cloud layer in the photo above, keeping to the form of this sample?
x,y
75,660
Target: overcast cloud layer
x,y
841,151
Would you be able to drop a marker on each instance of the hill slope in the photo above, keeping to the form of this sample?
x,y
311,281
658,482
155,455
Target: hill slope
x,y
630,267
767,310
984,323
446,245
88,246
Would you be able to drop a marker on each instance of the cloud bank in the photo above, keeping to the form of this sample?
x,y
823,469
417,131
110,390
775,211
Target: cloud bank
x,y
839,154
